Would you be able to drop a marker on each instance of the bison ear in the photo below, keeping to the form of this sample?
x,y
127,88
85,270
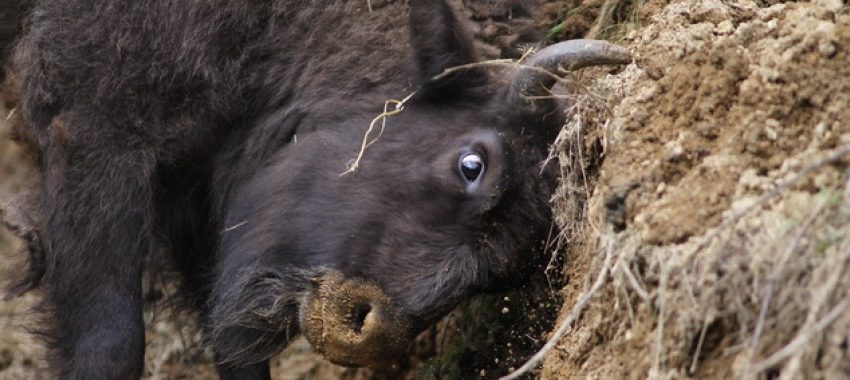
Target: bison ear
x,y
439,42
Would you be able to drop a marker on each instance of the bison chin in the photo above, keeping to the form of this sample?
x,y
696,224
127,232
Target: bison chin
x,y
353,323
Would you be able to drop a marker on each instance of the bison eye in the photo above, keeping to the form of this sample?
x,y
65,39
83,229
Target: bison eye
x,y
471,166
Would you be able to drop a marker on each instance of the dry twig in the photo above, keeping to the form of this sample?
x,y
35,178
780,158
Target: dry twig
x,y
633,281
777,272
801,339
603,20
698,351
398,107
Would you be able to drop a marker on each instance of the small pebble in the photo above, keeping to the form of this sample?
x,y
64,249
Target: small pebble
x,y
770,133
827,49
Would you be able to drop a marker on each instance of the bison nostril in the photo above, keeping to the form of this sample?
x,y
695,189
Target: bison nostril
x,y
353,323
358,316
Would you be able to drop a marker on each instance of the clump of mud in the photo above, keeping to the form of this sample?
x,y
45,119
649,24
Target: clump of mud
x,y
722,200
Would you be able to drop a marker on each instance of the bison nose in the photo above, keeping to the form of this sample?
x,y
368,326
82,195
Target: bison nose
x,y
359,314
353,323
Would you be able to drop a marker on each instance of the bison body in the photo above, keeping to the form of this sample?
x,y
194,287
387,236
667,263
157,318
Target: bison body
x,y
222,132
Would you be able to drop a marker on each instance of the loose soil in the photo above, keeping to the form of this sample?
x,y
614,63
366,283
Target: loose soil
x,y
721,199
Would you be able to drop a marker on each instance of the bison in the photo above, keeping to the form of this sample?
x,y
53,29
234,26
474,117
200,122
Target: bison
x,y
233,135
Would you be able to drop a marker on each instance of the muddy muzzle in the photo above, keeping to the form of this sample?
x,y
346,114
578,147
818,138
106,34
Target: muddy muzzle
x,y
353,323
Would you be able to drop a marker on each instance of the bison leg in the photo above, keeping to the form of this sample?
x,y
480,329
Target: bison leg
x,y
97,206
258,371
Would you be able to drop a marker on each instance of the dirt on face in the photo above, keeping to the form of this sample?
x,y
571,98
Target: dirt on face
x,y
353,323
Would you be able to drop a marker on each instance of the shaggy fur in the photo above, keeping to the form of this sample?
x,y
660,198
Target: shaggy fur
x,y
218,130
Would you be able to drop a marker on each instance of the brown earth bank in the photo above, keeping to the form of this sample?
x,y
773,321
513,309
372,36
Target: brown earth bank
x,y
719,217
703,210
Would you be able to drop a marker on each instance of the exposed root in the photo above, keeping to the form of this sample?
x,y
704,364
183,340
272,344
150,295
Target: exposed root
x,y
774,279
802,338
398,106
575,54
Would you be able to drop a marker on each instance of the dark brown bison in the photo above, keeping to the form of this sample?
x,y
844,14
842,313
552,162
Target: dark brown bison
x,y
222,132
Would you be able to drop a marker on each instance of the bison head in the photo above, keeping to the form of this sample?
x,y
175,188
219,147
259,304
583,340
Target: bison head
x,y
448,202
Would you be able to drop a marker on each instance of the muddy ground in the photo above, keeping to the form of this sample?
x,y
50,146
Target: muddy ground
x,y
703,212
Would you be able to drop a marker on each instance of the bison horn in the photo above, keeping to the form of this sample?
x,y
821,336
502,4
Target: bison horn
x,y
537,76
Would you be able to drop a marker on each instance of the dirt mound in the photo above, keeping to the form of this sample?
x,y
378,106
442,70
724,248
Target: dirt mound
x,y
721,203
